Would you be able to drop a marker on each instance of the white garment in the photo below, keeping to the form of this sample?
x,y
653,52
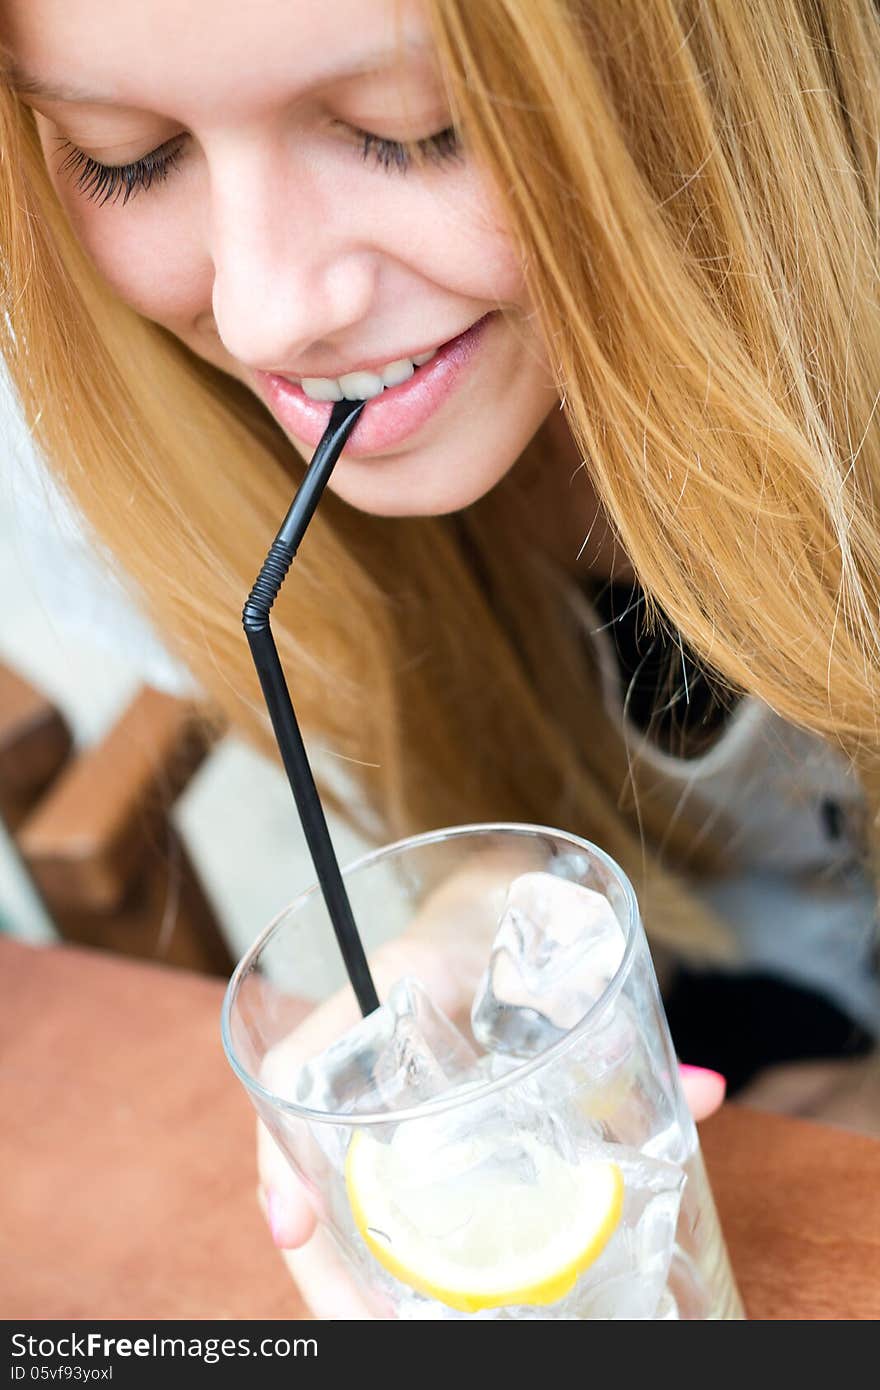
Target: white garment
x,y
68,582
798,898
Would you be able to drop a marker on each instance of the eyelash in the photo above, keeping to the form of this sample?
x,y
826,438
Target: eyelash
x,y
102,183
395,154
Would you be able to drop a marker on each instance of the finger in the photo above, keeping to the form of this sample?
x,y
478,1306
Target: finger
x,y
323,1277
285,1200
318,1271
704,1090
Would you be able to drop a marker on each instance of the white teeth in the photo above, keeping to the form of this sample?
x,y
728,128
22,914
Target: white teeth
x,y
361,386
396,373
321,388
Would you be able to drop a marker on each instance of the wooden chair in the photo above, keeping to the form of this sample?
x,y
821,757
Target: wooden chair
x,y
93,828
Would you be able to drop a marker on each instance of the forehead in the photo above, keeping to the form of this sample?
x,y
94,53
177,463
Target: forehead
x,y
162,54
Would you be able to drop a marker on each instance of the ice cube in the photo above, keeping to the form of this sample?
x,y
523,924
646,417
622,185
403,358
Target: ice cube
x,y
402,1054
607,1084
557,947
451,1166
628,1280
475,1137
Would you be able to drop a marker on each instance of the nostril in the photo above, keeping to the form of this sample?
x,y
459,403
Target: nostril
x,y
832,817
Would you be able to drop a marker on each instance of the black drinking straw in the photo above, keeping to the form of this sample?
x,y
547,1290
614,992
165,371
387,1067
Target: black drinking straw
x,y
277,696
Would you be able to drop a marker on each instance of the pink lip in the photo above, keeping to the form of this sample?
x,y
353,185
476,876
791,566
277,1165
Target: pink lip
x,y
387,419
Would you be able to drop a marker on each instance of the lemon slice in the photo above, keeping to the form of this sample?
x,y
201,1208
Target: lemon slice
x,y
502,1228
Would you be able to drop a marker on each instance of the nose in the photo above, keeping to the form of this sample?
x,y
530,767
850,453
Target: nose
x,y
291,275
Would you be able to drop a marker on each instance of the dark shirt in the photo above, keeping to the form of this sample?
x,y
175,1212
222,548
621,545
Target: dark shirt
x,y
740,1023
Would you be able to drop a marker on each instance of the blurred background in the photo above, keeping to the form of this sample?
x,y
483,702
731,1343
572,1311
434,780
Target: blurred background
x,y
118,827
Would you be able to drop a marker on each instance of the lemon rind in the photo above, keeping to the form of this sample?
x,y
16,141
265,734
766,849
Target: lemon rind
x,y
538,1293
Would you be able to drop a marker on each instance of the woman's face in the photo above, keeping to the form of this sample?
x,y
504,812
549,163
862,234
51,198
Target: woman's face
x,y
274,244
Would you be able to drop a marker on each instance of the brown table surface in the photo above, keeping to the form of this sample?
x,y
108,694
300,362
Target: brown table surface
x,y
128,1178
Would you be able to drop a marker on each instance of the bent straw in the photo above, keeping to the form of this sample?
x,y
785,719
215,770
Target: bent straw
x,y
255,619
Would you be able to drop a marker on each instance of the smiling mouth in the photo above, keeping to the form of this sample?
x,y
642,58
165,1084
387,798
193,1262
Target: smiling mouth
x,y
395,410
362,386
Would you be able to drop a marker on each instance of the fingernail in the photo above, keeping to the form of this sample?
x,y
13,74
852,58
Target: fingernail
x,y
688,1070
275,1215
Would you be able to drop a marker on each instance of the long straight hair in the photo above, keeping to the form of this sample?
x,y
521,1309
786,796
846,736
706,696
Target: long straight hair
x,y
693,188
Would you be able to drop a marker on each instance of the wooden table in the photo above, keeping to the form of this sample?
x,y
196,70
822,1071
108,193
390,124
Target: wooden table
x,y
128,1191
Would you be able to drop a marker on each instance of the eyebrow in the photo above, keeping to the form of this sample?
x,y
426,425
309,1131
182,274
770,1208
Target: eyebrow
x,y
28,84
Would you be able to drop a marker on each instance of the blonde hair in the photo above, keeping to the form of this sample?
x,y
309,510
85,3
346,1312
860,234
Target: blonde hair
x,y
693,186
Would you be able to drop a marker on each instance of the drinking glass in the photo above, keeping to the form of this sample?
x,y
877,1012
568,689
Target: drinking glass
x,y
607,1088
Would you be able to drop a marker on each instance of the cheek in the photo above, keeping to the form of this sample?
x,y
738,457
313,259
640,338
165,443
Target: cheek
x,y
146,253
467,244
149,258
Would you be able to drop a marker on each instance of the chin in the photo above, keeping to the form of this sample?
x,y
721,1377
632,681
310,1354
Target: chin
x,y
398,487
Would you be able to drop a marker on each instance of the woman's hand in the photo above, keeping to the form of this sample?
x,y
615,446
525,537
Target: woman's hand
x,y
310,1255
308,1251
446,949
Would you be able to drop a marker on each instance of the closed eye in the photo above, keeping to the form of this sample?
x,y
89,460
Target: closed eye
x,y
397,154
110,183
105,183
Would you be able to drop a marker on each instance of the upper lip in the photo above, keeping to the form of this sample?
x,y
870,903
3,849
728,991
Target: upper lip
x,y
373,364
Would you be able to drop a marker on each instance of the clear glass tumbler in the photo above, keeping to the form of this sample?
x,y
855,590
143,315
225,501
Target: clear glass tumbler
x,y
603,1091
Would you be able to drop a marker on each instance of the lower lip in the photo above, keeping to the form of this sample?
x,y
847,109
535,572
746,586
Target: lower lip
x,y
387,419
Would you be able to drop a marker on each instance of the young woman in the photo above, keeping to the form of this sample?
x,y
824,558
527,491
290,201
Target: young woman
x,y
609,558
